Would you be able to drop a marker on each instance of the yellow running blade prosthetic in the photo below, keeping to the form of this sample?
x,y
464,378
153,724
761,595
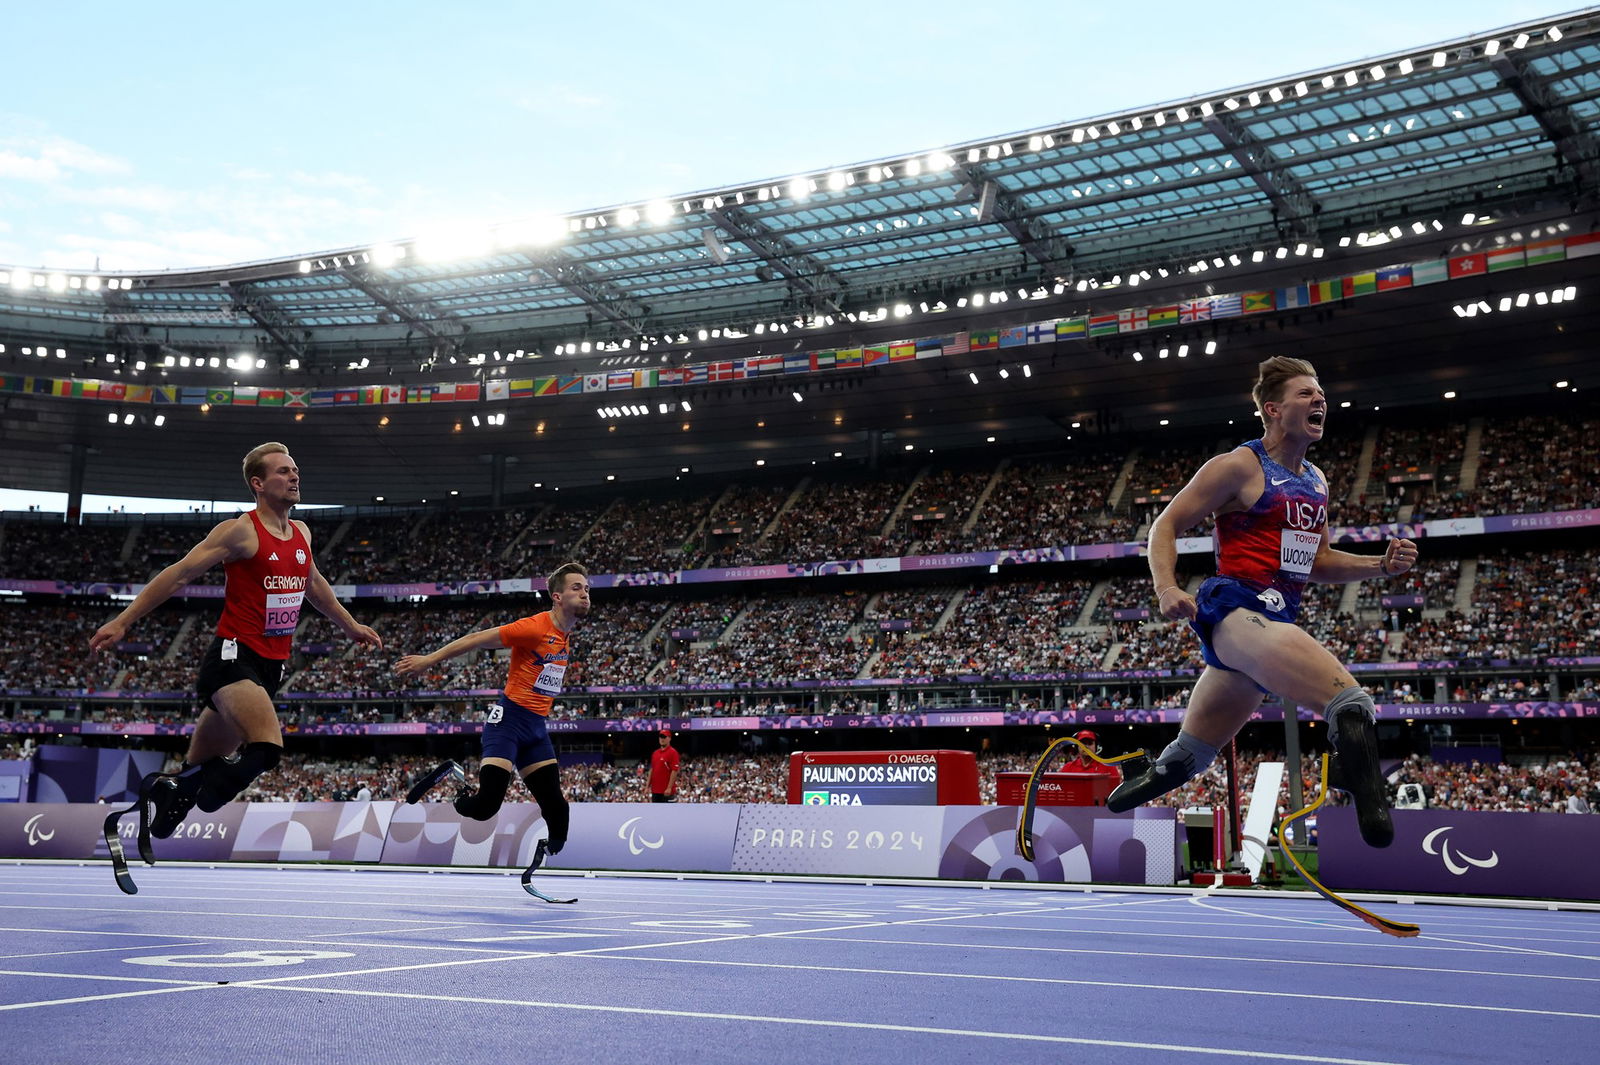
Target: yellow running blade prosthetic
x,y
1382,924
1025,825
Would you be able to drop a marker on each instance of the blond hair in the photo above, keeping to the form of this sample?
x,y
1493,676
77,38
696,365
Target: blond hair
x,y
557,580
255,463
1271,377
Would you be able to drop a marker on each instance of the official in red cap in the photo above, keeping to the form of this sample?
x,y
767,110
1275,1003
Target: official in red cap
x,y
1084,764
664,770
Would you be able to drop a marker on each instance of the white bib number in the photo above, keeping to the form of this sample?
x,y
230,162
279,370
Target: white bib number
x,y
497,714
550,677
283,613
1298,552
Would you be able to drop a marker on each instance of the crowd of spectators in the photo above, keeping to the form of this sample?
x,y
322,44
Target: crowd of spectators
x,y
48,646
640,535
780,638
831,520
1562,784
939,505
1538,463
742,515
1021,627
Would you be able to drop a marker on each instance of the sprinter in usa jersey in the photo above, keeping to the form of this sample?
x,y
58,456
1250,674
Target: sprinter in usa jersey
x,y
1271,509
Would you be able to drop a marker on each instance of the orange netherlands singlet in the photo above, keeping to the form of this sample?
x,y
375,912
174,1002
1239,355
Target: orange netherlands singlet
x,y
538,661
261,604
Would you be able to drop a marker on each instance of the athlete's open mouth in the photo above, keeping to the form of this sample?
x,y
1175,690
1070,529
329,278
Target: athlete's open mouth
x,y
1317,417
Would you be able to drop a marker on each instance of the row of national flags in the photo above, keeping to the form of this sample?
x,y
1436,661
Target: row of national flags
x,y
1087,326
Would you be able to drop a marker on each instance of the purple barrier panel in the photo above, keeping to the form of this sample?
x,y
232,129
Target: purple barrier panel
x,y
313,831
684,837
88,774
200,837
15,775
51,829
839,840
1071,845
432,833
1532,855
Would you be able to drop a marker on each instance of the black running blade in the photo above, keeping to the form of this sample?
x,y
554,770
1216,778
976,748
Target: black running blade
x,y
119,860
541,896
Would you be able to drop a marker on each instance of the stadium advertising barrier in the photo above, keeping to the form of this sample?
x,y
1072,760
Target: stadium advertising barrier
x,y
966,842
1188,545
1528,855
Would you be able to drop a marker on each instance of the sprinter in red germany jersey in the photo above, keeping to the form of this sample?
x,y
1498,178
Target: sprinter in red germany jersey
x,y
1271,508
270,572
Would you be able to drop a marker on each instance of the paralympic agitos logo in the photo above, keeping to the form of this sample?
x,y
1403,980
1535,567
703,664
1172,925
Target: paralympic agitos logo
x,y
1449,856
36,833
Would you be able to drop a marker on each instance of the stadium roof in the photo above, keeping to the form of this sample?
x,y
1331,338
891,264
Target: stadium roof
x,y
1423,155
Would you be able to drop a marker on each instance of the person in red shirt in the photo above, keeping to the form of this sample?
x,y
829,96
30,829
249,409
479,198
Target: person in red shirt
x,y
1084,764
664,770
270,572
515,738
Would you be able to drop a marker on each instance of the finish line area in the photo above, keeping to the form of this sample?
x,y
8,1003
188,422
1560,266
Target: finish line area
x,y
248,963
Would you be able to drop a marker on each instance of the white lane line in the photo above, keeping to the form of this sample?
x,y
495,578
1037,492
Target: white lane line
x,y
105,998
107,977
1236,959
91,950
1123,984
809,1022
192,940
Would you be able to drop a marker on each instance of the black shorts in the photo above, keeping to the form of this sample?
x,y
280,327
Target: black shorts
x,y
242,664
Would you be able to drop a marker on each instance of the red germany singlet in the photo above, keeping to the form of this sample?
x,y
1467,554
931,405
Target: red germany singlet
x,y
262,602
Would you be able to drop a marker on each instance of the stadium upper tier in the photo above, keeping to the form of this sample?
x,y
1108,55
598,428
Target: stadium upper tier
x,y
1284,201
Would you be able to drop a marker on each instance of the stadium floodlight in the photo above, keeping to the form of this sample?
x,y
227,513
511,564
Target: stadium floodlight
x,y
838,180
1491,47
1281,253
1438,59
161,419
798,398
972,375
799,189
305,266
1522,299
658,211
112,417
214,362
1183,351
1138,356
1027,371
1554,33
1571,292
1211,347
1258,255
127,419
1505,303
1004,374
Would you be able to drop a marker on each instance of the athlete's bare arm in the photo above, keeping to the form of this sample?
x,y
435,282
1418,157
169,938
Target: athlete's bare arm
x,y
228,541
319,593
1343,567
1225,483
481,640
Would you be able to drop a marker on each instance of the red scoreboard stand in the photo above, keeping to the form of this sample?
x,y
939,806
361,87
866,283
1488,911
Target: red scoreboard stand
x,y
884,778
1055,789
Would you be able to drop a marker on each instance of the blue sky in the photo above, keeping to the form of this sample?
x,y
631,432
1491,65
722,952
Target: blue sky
x,y
183,134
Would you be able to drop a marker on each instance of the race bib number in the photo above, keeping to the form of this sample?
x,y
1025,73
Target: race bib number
x,y
550,677
497,714
283,613
1298,551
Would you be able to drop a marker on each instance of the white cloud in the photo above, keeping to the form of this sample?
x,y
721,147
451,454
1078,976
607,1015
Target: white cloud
x,y
31,158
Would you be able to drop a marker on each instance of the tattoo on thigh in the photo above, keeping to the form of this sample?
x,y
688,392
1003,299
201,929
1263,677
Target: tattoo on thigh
x,y
1256,621
1340,684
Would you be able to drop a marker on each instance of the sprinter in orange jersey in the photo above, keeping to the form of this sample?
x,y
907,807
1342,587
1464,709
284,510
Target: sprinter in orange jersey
x,y
514,733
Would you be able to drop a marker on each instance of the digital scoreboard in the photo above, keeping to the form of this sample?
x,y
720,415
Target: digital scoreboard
x,y
883,778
